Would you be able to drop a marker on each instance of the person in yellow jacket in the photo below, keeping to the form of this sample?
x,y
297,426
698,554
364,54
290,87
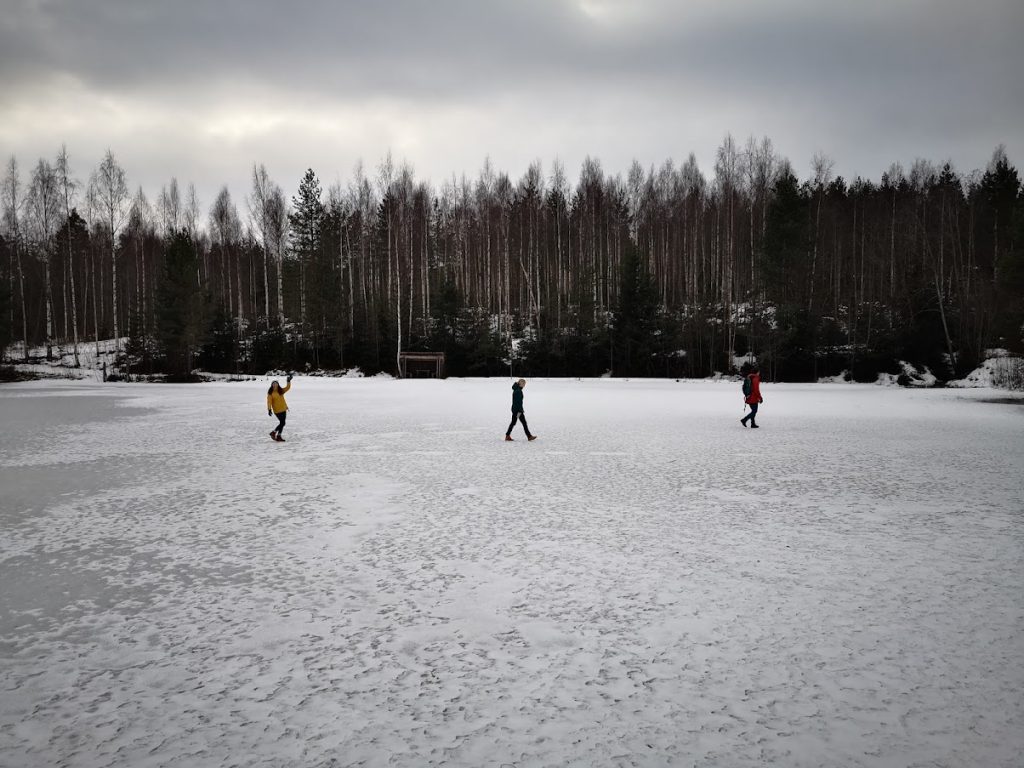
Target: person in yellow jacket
x,y
276,406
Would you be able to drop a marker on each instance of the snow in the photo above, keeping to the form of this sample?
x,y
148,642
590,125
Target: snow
x,y
647,584
840,378
1000,369
918,378
92,356
738,361
910,374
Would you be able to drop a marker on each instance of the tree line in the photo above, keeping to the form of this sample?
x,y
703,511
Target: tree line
x,y
666,271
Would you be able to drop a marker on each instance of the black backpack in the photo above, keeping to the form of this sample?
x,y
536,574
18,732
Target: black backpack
x,y
748,386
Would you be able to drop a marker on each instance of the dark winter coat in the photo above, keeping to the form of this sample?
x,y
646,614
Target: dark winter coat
x,y
517,398
755,389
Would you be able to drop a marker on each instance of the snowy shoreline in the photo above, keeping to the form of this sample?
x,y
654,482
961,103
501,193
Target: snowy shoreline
x,y
1000,370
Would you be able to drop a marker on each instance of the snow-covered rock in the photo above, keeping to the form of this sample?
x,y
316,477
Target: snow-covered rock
x,y
840,378
911,376
1000,370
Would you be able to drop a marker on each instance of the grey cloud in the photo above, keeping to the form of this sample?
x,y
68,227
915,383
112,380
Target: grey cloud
x,y
398,45
458,47
868,82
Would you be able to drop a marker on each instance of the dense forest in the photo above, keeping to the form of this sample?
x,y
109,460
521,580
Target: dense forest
x,y
667,271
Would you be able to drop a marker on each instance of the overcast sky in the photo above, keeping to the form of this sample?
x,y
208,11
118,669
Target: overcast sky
x,y
202,89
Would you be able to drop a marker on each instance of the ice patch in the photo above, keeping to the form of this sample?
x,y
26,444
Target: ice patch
x,y
656,585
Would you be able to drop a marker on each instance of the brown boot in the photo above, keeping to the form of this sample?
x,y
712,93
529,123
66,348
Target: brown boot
x,y
508,438
531,438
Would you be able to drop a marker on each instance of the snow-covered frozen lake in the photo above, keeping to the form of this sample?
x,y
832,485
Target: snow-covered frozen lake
x,y
647,584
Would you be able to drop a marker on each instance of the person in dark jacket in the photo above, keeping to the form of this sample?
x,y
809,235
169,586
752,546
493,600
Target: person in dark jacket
x,y
753,399
517,411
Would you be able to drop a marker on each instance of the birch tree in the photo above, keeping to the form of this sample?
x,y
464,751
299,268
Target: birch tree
x,y
68,188
821,168
169,209
44,207
141,225
225,233
728,174
269,213
92,215
12,210
111,193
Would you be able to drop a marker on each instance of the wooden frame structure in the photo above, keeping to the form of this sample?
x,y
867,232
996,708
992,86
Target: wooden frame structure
x,y
421,365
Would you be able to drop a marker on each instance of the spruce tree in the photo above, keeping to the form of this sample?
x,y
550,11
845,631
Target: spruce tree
x,y
1000,234
786,245
786,239
635,317
306,222
447,311
181,306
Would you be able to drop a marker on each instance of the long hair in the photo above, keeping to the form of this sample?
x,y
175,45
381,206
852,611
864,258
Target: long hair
x,y
272,385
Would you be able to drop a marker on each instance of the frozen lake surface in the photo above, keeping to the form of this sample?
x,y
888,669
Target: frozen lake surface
x,y
648,584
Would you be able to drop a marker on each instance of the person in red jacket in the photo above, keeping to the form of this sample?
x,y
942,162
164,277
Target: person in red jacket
x,y
753,397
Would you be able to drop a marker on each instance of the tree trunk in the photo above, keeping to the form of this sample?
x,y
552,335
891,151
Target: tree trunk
x,y
24,314
398,308
113,295
892,250
74,301
95,306
280,286
814,257
266,285
351,288
945,327
48,301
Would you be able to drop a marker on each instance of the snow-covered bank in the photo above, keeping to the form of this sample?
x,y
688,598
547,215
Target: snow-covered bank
x,y
648,584
91,362
1001,369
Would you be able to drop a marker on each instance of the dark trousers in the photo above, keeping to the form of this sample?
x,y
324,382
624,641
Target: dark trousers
x,y
517,416
752,415
280,421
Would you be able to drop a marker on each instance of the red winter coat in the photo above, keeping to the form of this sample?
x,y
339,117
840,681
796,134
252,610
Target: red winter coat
x,y
755,389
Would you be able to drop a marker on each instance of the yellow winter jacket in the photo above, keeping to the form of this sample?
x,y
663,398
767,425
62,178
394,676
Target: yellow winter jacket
x,y
275,400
